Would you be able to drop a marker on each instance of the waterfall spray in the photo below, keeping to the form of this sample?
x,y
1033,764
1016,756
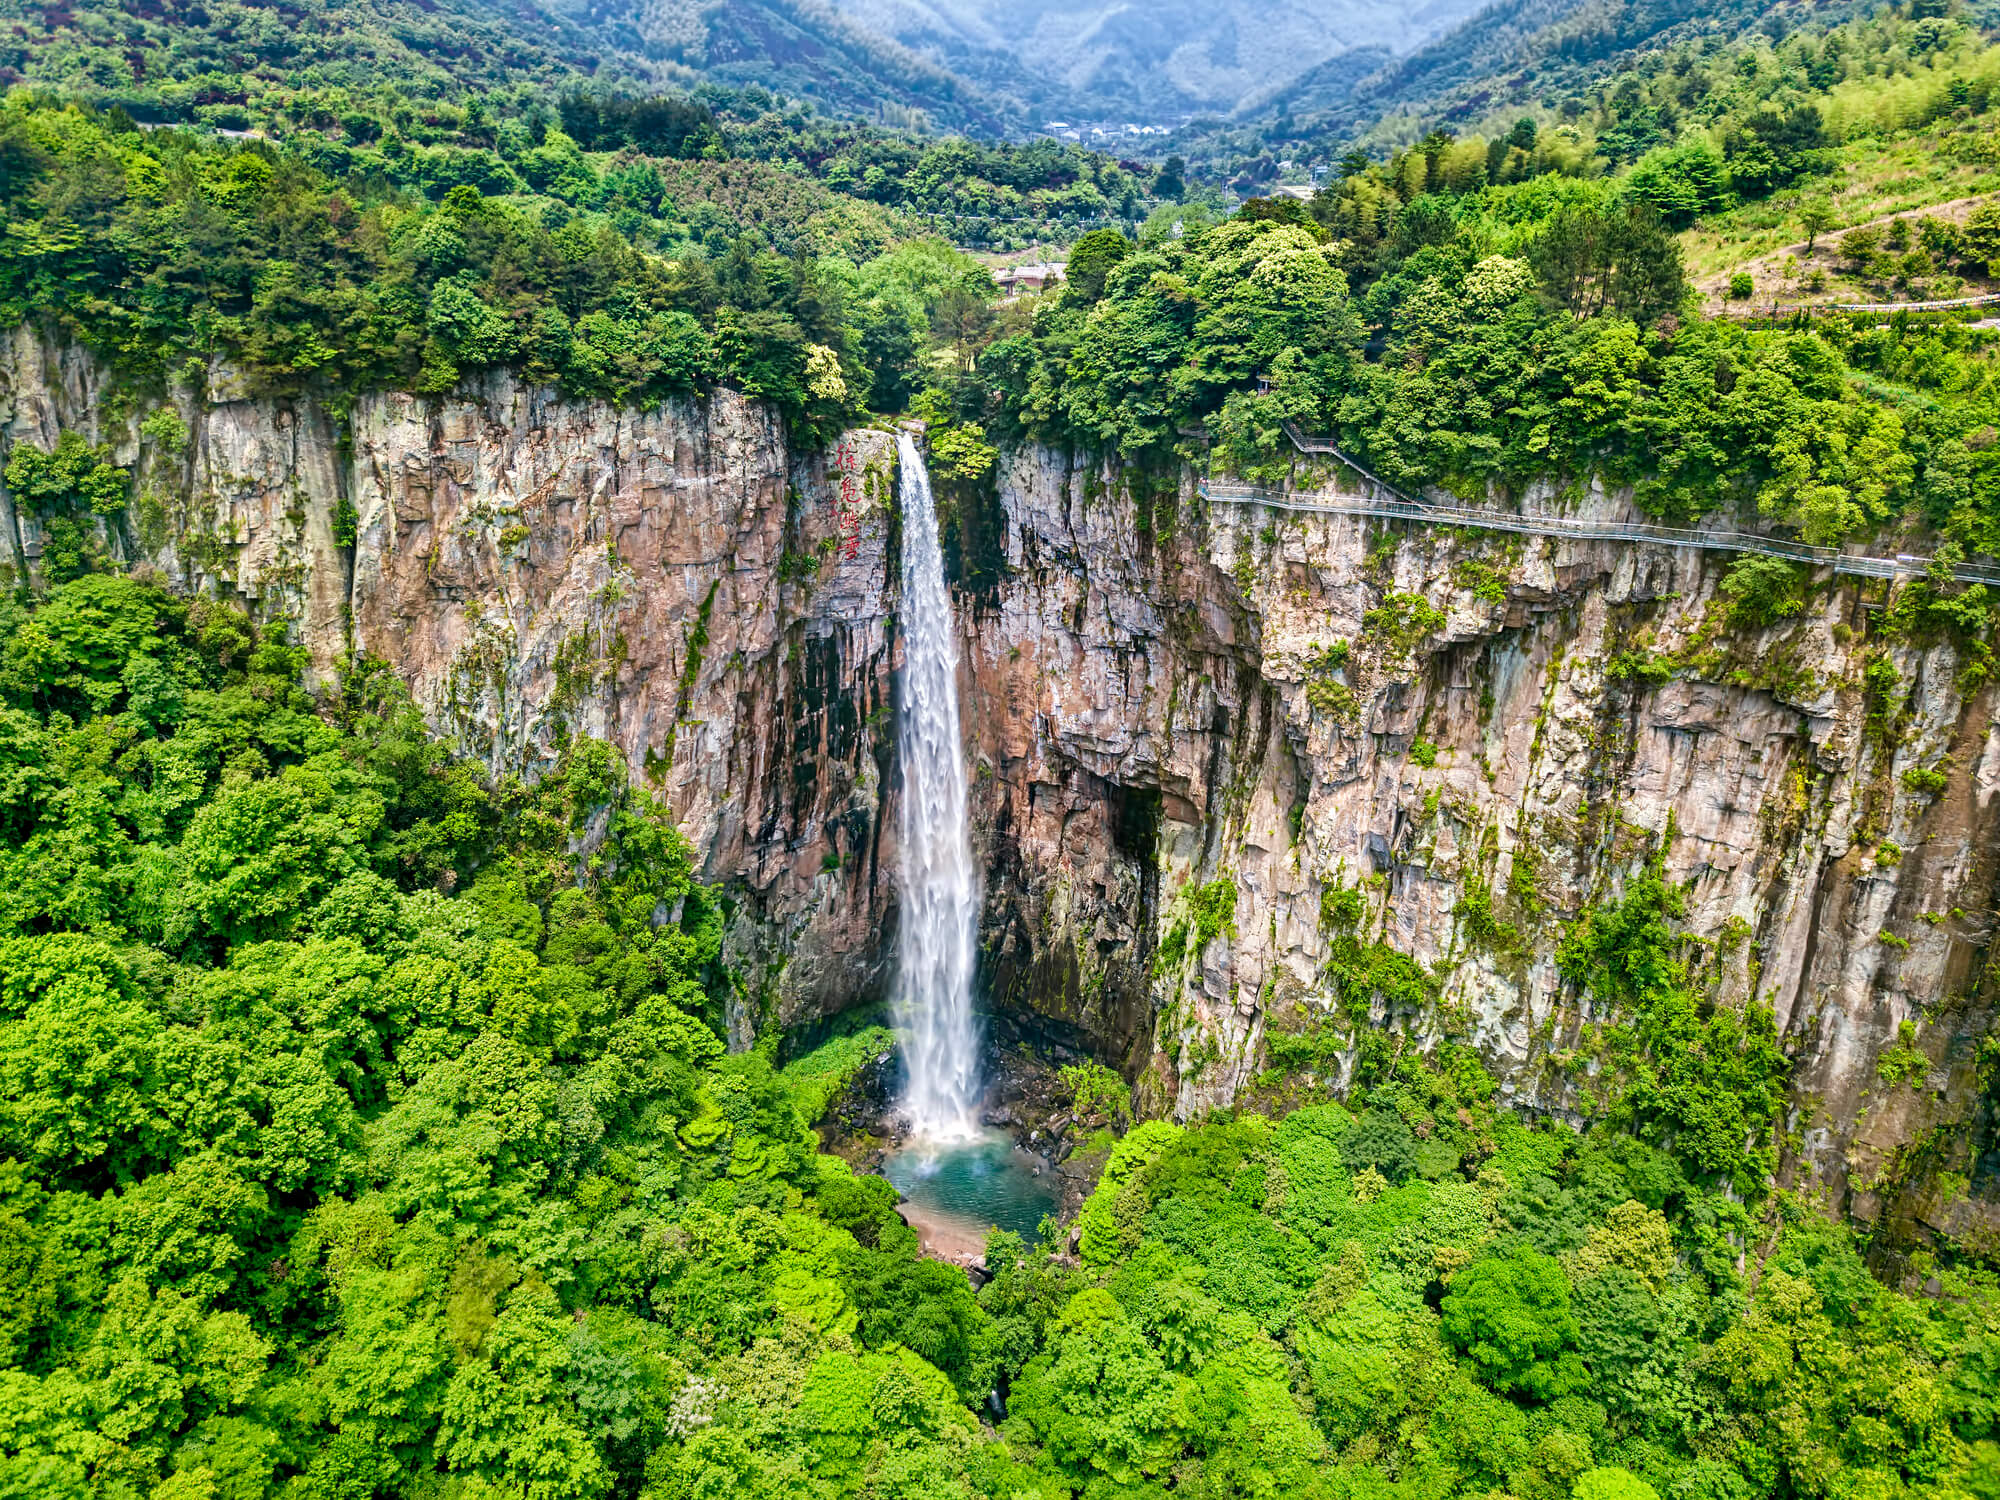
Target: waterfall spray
x,y
934,982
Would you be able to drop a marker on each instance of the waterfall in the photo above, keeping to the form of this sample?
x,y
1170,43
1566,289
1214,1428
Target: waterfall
x,y
934,981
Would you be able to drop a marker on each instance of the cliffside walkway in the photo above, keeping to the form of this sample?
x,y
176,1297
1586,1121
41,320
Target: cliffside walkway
x,y
1778,311
1381,499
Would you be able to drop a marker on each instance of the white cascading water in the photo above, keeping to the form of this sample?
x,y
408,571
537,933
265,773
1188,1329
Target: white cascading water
x,y
940,895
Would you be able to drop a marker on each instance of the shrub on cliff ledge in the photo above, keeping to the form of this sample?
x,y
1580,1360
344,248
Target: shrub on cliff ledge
x,y
68,488
1762,590
1213,908
1705,1080
1098,1094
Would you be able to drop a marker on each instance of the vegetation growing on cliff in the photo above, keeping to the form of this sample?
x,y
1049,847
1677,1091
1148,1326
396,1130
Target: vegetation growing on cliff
x,y
1485,377
1478,315
71,490
367,1131
1702,1079
361,1134
162,246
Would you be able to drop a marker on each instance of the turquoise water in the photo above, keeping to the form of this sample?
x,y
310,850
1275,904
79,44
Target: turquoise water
x,y
987,1180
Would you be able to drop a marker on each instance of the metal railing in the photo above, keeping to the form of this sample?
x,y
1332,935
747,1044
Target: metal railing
x,y
1401,507
1946,304
1306,443
1578,528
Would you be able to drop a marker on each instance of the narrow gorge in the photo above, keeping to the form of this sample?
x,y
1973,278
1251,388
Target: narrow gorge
x,y
1210,749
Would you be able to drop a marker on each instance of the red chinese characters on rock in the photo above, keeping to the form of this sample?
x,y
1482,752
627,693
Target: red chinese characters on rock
x,y
847,499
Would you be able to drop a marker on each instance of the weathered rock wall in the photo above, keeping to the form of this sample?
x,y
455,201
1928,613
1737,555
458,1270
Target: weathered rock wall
x,y
1143,655
674,580
1152,707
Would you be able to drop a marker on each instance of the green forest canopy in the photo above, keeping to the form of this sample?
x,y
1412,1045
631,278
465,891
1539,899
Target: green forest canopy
x,y
358,1141
1468,314
1482,313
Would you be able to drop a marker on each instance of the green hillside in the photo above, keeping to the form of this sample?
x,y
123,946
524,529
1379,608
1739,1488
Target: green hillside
x,y
177,55
804,49
367,1125
182,56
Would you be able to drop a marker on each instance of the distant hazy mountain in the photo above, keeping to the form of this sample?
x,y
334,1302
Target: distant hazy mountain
x,y
1150,60
802,48
1515,53
1278,78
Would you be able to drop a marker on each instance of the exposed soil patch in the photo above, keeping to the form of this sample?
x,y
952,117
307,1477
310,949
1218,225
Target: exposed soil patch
x,y
1767,270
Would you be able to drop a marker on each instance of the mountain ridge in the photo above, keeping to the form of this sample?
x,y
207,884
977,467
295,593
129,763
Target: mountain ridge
x,y
1153,60
803,49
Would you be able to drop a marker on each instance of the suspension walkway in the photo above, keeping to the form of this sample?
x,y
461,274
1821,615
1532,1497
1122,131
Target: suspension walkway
x,y
1379,498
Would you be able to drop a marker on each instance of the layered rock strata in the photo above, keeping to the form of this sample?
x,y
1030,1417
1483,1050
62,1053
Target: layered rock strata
x,y
1478,735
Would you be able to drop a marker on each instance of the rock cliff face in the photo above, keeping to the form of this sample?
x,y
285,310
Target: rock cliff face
x,y
1480,736
1167,703
675,581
